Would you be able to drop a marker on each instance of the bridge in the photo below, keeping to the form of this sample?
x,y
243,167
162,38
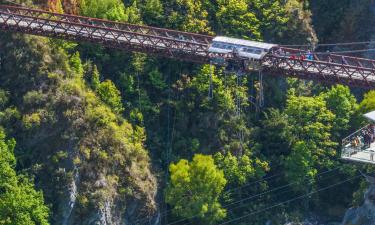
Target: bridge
x,y
326,68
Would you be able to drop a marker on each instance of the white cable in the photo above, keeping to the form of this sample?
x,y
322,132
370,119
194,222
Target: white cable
x,y
285,191
290,200
331,44
254,196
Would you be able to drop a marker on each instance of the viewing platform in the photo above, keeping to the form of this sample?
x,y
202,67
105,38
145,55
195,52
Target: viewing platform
x,y
360,146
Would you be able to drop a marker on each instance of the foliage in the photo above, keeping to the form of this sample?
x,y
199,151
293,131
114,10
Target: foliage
x,y
72,128
195,188
368,103
110,95
239,170
20,203
310,126
187,15
343,104
106,9
235,18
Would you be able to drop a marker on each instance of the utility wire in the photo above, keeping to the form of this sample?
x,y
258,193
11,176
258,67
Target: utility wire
x,y
311,181
290,200
331,44
15,3
345,52
254,196
226,192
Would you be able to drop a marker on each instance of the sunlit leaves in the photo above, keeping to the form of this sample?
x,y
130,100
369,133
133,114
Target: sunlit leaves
x,y
195,188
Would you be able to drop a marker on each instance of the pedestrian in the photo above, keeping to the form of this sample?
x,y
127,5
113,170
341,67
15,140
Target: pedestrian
x,y
372,155
310,55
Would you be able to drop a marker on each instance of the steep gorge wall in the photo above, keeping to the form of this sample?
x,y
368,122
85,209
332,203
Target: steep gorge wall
x,y
90,162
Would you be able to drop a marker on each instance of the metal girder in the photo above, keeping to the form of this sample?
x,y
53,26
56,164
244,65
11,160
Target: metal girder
x,y
164,42
322,71
327,68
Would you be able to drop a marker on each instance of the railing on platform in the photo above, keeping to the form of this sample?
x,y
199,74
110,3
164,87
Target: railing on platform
x,y
357,143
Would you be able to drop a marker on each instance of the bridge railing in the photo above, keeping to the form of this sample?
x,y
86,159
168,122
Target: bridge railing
x,y
106,33
141,29
357,143
322,71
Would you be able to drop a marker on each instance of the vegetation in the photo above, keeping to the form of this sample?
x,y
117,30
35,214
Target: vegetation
x,y
112,137
20,203
195,189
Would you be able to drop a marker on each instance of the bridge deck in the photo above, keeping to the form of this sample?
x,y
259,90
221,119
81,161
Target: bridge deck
x,y
181,45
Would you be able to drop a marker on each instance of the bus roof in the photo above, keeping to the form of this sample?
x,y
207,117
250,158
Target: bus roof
x,y
370,116
244,42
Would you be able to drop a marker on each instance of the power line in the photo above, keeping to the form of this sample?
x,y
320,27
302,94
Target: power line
x,y
331,44
290,200
15,3
311,181
254,196
345,52
227,191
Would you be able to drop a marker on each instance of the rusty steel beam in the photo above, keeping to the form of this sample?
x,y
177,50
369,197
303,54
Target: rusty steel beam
x,y
327,68
321,71
164,42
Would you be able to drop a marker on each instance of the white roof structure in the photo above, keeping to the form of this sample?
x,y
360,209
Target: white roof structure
x,y
244,42
370,116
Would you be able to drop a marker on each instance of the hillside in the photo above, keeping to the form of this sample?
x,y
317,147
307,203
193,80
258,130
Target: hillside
x,y
92,135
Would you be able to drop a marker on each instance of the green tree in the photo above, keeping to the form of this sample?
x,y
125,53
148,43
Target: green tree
x,y
344,105
310,125
275,135
95,78
187,15
20,203
195,188
152,12
368,102
110,95
105,9
236,19
299,164
76,65
238,170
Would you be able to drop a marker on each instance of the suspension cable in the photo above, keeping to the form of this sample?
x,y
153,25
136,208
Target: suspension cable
x,y
291,200
261,90
331,44
256,195
311,181
210,88
232,190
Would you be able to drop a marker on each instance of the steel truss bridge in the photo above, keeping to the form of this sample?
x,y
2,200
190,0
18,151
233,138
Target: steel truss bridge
x,y
327,68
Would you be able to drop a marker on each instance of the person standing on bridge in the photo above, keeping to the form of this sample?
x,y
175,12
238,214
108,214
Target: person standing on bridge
x,y
310,56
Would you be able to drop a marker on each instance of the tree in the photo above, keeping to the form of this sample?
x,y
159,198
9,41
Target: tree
x,y
275,135
20,203
344,105
105,9
152,12
110,95
195,188
300,164
187,15
310,125
368,102
238,170
234,18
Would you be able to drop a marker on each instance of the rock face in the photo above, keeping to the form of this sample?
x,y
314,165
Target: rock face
x,y
91,163
365,214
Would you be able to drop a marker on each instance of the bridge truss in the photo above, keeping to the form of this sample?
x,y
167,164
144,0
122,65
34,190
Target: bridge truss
x,y
328,68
